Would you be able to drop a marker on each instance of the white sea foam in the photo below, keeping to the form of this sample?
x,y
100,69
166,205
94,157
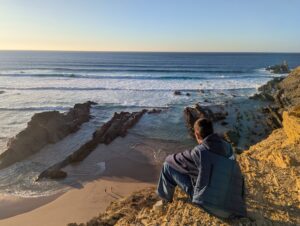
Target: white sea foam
x,y
127,84
25,96
101,166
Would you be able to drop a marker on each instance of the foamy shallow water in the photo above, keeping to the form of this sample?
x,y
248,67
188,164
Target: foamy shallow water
x,y
24,96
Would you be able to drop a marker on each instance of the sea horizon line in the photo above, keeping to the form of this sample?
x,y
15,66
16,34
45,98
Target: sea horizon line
x,y
142,51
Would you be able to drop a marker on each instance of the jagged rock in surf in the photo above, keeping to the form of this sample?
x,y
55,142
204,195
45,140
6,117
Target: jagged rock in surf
x,y
279,68
117,126
177,93
44,128
155,111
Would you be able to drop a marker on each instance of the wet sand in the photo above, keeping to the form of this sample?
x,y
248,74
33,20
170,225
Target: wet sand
x,y
12,205
77,205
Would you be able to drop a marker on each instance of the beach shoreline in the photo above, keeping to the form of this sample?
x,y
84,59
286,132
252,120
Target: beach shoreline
x,y
14,205
76,205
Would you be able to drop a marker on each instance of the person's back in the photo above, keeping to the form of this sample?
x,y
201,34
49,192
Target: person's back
x,y
219,186
208,173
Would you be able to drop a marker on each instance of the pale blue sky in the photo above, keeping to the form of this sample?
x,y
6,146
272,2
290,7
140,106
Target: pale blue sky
x,y
151,25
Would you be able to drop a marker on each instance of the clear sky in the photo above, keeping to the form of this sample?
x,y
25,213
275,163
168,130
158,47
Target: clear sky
x,y
151,25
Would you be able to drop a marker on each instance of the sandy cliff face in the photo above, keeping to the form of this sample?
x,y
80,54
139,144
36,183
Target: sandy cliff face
x,y
289,89
272,174
291,124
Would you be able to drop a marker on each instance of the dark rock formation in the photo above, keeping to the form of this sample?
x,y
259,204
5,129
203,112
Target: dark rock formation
x,y
1,92
262,96
232,137
279,69
115,127
155,111
177,93
191,114
273,119
282,94
57,174
271,86
269,90
224,123
44,128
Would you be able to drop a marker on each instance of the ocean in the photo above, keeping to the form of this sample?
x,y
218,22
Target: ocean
x,y
36,81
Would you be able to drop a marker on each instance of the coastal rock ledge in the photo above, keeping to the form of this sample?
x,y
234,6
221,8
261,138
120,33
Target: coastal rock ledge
x,y
44,128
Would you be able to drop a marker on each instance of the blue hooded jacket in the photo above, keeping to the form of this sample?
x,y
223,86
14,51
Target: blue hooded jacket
x,y
217,179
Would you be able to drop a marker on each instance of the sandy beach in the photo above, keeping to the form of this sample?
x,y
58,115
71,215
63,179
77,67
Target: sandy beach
x,y
127,169
77,205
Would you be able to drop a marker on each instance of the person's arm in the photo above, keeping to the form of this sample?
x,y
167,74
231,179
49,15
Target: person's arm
x,y
182,161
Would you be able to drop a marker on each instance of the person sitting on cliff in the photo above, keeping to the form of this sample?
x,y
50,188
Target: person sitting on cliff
x,y
208,174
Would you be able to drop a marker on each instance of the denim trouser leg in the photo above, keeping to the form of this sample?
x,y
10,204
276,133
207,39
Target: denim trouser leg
x,y
169,179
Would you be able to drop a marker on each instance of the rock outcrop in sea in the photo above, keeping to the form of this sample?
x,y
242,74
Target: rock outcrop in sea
x,y
44,128
272,174
117,126
191,114
279,68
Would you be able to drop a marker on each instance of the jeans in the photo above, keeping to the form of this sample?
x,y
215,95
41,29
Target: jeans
x,y
169,179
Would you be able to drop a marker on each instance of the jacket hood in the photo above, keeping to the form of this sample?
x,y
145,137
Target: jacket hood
x,y
217,145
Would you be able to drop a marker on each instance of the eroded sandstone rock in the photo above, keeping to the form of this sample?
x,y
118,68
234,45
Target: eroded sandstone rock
x,y
289,89
291,124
